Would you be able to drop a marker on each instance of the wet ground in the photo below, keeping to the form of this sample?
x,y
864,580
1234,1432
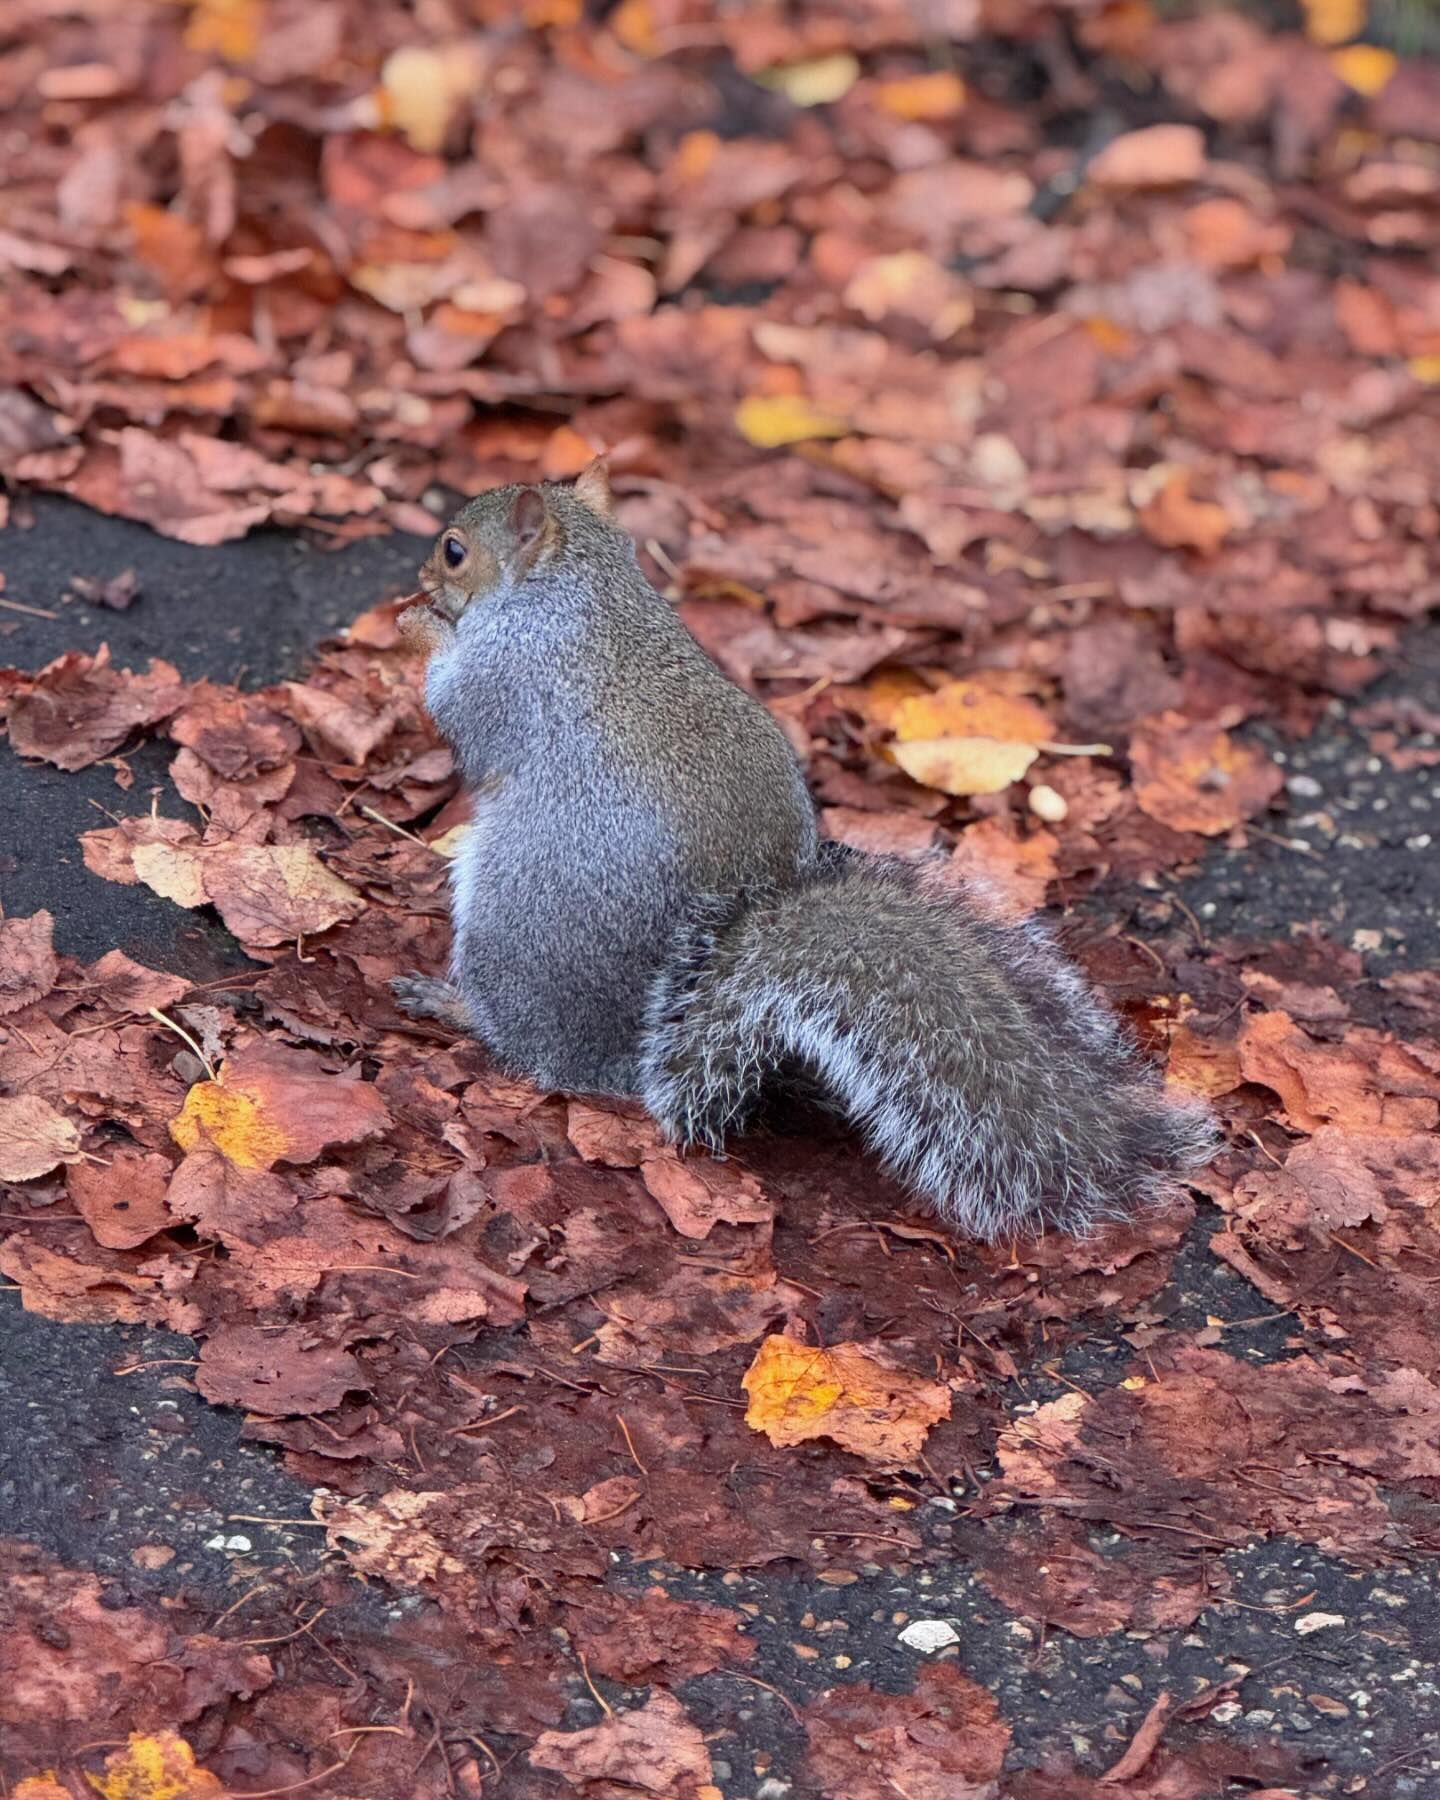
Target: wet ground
x,y
114,1464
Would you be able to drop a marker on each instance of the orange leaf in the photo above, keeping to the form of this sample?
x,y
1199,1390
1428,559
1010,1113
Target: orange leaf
x,y
851,1393
1175,520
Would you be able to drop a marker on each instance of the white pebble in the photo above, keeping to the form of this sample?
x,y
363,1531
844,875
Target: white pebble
x,y
929,1635
1317,1621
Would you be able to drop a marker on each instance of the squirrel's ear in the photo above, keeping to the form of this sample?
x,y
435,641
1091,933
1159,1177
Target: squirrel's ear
x,y
530,530
592,488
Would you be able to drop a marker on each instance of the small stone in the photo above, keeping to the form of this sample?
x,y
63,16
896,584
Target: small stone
x,y
1304,787
842,1662
1226,1712
838,1577
1317,1621
1332,1709
806,1652
1366,940
772,1788
929,1635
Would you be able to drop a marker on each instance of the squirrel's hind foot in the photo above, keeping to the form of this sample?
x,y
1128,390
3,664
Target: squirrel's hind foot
x,y
427,997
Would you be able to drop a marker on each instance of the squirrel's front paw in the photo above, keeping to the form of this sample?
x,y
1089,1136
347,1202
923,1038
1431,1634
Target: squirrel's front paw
x,y
427,997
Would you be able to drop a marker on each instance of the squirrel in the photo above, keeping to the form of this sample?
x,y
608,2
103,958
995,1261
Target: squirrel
x,y
644,905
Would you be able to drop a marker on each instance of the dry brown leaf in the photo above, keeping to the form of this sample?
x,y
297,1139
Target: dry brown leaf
x,y
1196,777
28,964
277,1373
80,708
123,1199
1177,520
655,1749
697,1193
1156,156
34,1138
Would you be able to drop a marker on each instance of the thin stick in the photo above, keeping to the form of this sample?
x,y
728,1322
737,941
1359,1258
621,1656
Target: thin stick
x,y
399,830
180,1031
784,1699
630,1445
600,1699
33,612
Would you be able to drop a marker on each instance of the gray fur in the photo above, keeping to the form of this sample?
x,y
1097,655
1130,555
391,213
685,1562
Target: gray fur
x,y
644,908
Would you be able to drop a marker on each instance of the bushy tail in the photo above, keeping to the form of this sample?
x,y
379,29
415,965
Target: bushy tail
x,y
969,1053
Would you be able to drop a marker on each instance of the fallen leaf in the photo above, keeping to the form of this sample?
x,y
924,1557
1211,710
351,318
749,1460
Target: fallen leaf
x,y
817,82
654,1748
123,1199
697,1193
1367,68
770,420
1195,777
421,87
945,1741
28,964
271,1104
940,94
1176,520
158,1767
964,765
277,1373
1156,156
969,709
853,1394
80,708
1333,21
34,1138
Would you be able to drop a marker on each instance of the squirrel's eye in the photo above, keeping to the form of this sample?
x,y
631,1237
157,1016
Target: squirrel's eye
x,y
453,550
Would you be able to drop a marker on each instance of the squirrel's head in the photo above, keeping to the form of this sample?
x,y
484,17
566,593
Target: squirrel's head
x,y
507,536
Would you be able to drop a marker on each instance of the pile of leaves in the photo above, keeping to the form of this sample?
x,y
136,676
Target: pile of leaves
x,y
1020,480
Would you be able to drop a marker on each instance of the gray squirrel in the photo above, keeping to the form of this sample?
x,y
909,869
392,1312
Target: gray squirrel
x,y
644,905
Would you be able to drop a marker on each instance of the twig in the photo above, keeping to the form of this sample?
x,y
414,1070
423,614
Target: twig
x,y
180,1031
784,1699
600,1700
399,830
33,612
630,1445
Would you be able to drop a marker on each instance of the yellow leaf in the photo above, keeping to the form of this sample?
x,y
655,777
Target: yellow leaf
x,y
970,709
939,95
851,1393
41,1787
1333,21
172,871
420,88
230,1121
968,765
814,83
270,1104
448,843
769,420
633,23
1364,67
161,1767
231,28
1425,368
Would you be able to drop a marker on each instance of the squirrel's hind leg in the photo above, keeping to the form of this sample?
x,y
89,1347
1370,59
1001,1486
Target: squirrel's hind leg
x,y
427,997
